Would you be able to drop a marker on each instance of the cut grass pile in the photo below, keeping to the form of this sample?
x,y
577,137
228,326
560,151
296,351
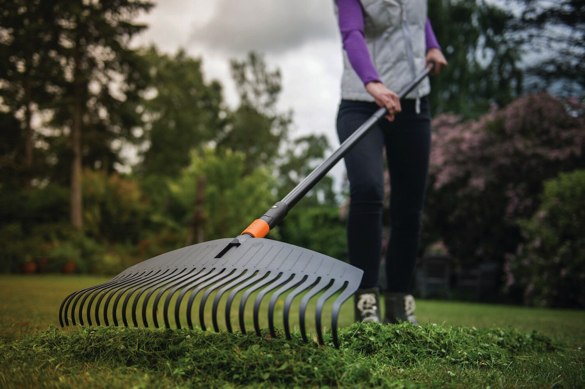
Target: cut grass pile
x,y
467,350
371,355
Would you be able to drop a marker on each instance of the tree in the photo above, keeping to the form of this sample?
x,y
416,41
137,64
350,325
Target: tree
x,y
552,34
102,77
483,63
298,160
184,114
28,67
255,128
232,199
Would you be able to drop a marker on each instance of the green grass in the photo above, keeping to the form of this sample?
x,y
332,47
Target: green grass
x,y
471,345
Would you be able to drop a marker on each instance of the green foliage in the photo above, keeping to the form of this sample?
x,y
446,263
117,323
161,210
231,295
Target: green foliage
x,y
69,66
184,113
13,248
257,86
35,226
553,34
255,128
483,63
550,267
487,174
318,228
29,221
298,160
50,245
232,199
74,246
28,65
42,205
62,253
115,208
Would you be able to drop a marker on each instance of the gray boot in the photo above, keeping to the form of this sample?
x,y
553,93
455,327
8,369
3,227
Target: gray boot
x,y
399,307
366,305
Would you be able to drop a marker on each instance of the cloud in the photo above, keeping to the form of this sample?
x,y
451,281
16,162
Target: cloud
x,y
269,26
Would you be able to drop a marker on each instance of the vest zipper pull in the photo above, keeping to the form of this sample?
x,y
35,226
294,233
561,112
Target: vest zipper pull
x,y
417,105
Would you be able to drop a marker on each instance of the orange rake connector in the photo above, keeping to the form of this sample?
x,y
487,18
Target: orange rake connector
x,y
258,229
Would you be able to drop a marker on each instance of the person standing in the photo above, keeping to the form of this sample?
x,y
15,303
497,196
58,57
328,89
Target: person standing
x,y
386,43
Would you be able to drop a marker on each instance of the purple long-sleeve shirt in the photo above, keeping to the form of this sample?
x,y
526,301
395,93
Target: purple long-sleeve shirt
x,y
351,25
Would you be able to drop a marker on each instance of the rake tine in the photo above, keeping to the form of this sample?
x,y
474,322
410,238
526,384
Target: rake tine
x,y
287,286
93,295
102,294
196,291
192,277
232,295
347,293
63,315
126,289
230,299
65,306
211,273
79,294
310,282
257,277
112,293
171,284
234,276
153,289
336,287
228,302
259,298
155,277
323,284
183,258
270,278
147,284
178,280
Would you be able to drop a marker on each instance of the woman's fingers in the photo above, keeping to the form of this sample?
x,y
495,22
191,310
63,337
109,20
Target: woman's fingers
x,y
384,97
436,56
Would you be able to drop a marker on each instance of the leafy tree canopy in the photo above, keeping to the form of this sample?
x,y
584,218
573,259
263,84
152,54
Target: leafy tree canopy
x,y
552,34
185,112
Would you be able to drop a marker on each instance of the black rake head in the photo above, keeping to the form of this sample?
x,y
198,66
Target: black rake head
x,y
189,276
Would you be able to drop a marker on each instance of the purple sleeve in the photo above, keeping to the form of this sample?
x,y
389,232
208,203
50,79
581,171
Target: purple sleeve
x,y
430,38
351,25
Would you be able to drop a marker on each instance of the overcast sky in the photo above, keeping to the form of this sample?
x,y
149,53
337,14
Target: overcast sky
x,y
299,37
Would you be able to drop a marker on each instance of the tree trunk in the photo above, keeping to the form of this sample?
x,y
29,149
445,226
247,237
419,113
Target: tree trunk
x,y
76,201
196,229
76,196
28,147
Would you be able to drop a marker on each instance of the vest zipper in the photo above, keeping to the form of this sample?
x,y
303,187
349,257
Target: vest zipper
x,y
407,41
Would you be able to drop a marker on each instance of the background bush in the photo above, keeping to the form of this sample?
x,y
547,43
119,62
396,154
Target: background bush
x,y
549,268
486,174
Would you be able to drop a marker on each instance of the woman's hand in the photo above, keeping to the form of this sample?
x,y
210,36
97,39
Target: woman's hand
x,y
435,55
384,98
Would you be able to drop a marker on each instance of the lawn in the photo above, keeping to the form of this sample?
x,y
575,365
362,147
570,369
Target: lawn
x,y
457,345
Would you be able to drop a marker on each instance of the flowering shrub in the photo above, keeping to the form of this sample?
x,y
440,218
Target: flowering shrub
x,y
486,174
550,267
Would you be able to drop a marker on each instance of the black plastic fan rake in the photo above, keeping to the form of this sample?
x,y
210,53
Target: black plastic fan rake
x,y
245,265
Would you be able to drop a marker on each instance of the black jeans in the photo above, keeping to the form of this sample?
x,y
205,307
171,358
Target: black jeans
x,y
407,141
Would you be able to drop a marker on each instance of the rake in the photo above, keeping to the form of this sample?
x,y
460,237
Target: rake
x,y
228,267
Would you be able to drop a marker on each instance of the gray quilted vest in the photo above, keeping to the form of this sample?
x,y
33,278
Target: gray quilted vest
x,y
395,35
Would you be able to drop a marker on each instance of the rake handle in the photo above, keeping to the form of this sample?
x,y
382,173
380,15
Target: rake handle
x,y
260,227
